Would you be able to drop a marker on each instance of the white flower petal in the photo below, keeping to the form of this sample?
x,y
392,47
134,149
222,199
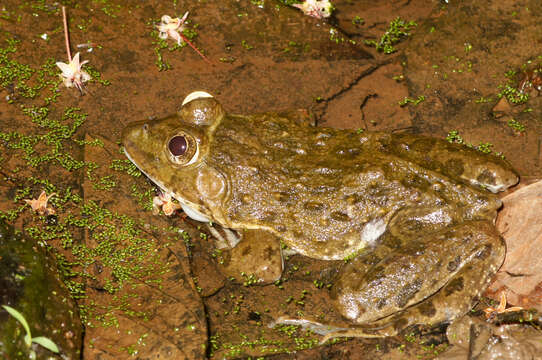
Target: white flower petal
x,y
75,61
166,19
162,35
65,68
176,36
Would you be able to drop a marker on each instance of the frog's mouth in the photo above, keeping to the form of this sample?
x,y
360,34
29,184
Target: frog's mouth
x,y
190,209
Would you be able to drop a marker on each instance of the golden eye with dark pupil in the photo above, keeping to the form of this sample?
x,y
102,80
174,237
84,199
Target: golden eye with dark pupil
x,y
182,149
178,145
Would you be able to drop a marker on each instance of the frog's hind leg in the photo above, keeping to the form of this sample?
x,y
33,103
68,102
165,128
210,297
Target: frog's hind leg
x,y
470,277
456,161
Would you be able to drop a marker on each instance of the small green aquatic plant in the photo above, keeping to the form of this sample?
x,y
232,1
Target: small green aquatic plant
x,y
513,95
408,100
28,339
398,30
484,147
516,126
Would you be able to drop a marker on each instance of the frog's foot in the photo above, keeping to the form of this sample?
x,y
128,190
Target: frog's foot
x,y
255,259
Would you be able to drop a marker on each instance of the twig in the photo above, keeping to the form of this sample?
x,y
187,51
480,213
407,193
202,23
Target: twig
x,y
67,39
195,49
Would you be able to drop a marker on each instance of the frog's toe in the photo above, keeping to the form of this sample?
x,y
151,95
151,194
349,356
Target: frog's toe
x,y
330,332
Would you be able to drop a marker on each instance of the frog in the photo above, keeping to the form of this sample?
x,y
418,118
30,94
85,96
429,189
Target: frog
x,y
413,215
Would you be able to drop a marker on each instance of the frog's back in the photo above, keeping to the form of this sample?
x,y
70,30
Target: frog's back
x,y
326,192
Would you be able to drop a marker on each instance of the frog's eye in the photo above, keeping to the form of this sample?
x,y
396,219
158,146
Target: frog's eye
x,y
177,145
183,149
201,109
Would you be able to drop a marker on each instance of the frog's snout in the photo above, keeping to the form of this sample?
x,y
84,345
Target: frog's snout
x,y
134,132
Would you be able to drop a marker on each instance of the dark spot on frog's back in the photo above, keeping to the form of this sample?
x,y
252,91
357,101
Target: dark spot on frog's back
x,y
247,250
452,265
454,167
313,206
485,252
408,292
486,177
416,181
453,286
283,197
339,216
269,252
426,308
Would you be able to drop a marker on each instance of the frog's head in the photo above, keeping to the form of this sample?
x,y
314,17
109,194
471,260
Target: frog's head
x,y
172,153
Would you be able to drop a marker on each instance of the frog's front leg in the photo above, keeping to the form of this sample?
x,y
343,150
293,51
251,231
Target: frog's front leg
x,y
249,256
427,282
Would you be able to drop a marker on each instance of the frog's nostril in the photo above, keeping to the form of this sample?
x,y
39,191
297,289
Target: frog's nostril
x,y
177,145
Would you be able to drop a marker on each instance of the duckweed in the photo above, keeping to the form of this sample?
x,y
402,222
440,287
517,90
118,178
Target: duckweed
x,y
516,125
15,76
512,94
397,31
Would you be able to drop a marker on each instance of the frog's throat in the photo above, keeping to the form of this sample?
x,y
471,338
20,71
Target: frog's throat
x,y
188,207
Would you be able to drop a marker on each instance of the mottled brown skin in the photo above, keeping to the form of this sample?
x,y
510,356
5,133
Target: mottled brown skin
x,y
414,210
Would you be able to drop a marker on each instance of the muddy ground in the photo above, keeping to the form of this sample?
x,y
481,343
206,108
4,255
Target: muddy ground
x,y
148,285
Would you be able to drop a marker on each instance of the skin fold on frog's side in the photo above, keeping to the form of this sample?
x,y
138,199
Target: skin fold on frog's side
x,y
413,213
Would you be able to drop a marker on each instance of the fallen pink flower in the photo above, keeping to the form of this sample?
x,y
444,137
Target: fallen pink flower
x,y
172,27
316,8
165,202
72,74
39,205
